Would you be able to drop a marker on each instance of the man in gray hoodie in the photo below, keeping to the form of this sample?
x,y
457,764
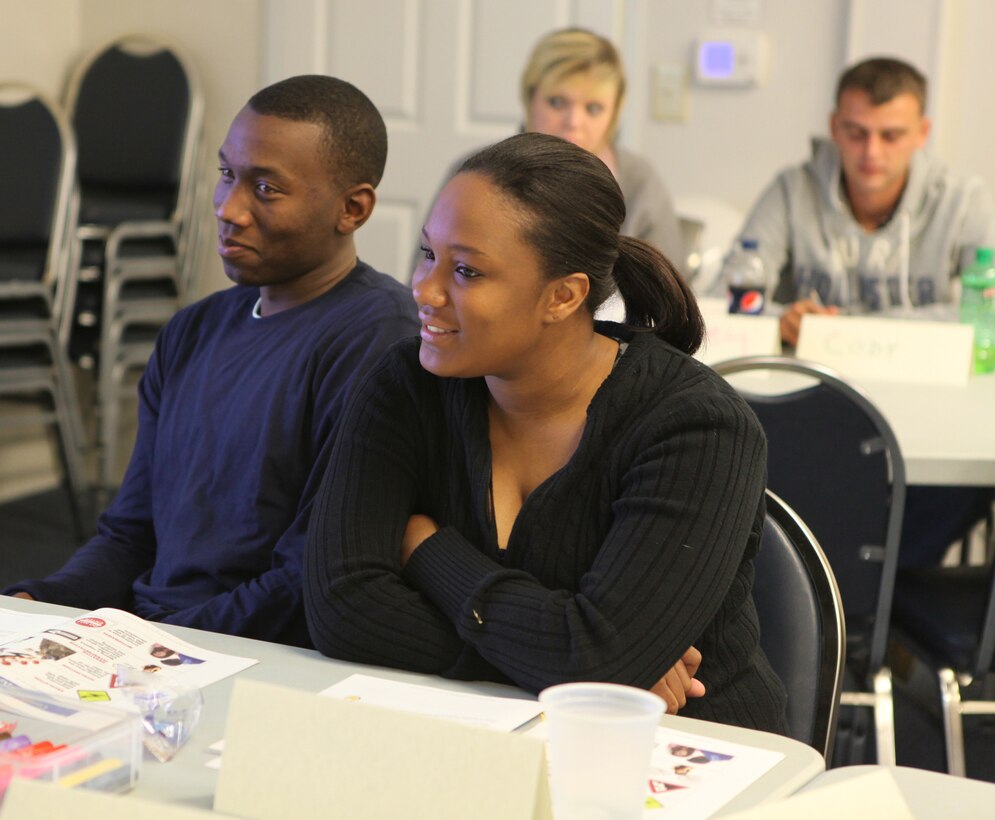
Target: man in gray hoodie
x,y
871,222
874,223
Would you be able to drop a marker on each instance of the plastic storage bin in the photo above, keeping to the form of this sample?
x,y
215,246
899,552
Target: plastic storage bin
x,y
72,744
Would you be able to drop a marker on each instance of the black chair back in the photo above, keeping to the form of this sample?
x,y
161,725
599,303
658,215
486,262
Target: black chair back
x,y
801,624
135,106
815,439
130,116
31,164
37,166
835,460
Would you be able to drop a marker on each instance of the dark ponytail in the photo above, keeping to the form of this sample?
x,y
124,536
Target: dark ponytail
x,y
656,295
572,212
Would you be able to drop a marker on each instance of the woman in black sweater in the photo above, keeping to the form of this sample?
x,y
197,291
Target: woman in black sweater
x,y
526,495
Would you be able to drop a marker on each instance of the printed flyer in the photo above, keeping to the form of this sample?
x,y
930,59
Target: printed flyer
x,y
80,656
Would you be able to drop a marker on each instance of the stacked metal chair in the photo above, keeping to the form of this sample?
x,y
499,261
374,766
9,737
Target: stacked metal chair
x,y
37,218
137,109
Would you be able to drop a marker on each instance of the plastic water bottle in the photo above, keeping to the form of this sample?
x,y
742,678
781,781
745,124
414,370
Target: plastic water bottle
x,y
977,307
746,279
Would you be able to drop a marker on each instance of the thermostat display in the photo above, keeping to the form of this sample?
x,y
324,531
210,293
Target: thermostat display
x,y
718,59
737,58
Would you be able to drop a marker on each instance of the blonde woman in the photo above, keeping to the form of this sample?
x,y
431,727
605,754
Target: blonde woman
x,y
573,87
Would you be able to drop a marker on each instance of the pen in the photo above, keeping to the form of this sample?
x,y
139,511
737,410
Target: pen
x,y
531,723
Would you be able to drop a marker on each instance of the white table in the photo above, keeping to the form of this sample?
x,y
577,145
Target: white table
x,y
187,781
946,434
928,794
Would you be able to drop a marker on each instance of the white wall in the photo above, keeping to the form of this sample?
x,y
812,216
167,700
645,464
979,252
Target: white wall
x,y
37,40
730,145
734,140
965,89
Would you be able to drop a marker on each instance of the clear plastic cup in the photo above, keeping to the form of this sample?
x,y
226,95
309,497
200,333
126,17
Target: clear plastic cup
x,y
600,743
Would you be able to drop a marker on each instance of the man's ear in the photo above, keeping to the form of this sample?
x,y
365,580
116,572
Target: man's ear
x,y
924,127
357,204
566,295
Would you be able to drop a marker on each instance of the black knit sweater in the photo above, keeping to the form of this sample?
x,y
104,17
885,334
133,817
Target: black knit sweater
x,y
640,546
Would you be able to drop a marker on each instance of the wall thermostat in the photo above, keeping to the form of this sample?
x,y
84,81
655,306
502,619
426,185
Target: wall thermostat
x,y
731,58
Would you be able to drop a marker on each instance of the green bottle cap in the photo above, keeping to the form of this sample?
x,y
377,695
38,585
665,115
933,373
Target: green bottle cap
x,y
984,256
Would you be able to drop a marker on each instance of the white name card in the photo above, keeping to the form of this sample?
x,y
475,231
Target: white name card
x,y
866,795
907,351
295,754
35,800
729,336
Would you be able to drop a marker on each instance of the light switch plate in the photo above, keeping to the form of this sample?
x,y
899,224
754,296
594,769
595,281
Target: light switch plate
x,y
670,92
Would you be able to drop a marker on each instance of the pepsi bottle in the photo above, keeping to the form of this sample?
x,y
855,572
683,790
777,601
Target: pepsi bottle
x,y
746,279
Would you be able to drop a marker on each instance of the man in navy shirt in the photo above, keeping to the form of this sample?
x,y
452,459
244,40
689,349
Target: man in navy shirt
x,y
241,399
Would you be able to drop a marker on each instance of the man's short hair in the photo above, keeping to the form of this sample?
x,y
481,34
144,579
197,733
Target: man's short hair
x,y
883,79
354,133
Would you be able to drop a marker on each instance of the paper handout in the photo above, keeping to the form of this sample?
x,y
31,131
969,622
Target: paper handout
x,y
80,655
502,714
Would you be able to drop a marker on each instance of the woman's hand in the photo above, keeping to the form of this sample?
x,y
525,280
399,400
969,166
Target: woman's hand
x,y
680,683
418,529
23,595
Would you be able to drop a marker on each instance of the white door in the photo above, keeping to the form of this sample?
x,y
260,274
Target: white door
x,y
444,73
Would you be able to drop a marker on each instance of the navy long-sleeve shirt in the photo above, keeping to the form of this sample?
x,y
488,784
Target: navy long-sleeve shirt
x,y
236,420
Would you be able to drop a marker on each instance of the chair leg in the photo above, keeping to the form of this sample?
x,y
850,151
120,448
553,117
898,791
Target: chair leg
x,y
884,717
71,448
953,727
109,406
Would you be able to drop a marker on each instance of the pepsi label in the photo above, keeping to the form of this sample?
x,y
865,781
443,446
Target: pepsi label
x,y
748,300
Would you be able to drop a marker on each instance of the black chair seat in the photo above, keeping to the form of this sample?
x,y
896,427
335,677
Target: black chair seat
x,y
23,262
101,205
150,289
93,253
948,629
22,356
141,333
21,309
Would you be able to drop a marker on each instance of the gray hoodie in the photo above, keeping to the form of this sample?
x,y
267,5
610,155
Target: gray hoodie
x,y
810,241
